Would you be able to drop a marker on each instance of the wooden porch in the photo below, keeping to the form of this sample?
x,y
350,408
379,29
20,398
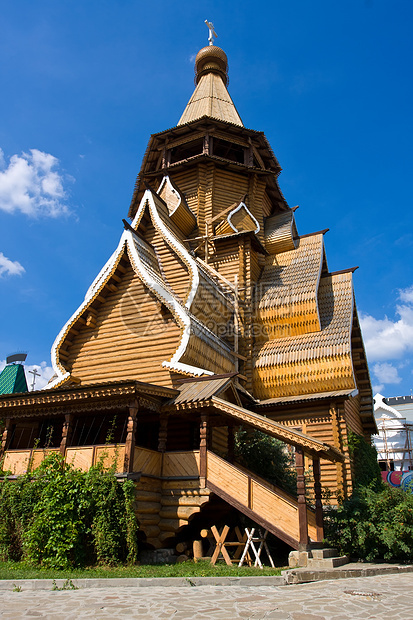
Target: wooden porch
x,y
179,451
174,474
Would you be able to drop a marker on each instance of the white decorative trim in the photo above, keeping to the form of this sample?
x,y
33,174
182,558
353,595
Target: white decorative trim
x,y
231,213
164,295
186,368
175,244
180,312
96,286
167,181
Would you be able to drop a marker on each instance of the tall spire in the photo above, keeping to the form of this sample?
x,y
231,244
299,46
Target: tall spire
x,y
211,97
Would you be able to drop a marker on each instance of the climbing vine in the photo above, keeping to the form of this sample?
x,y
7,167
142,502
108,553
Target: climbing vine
x,y
366,470
60,517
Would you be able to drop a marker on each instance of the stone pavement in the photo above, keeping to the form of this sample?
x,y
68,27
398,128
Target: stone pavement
x,y
382,597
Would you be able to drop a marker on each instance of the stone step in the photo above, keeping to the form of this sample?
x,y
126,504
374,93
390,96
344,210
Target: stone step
x,y
317,559
322,554
332,562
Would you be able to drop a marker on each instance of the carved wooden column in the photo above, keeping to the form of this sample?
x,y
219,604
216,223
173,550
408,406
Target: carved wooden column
x,y
203,446
5,439
130,437
66,433
206,146
302,504
163,432
318,502
338,443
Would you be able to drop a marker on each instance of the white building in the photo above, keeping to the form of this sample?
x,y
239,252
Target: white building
x,y
394,443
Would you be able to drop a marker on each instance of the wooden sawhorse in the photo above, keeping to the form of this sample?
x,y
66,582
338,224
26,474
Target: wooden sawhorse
x,y
222,544
250,542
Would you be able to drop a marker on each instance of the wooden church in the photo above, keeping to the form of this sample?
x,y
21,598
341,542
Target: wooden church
x,y
213,313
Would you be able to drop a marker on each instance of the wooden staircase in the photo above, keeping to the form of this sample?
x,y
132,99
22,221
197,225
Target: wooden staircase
x,y
267,505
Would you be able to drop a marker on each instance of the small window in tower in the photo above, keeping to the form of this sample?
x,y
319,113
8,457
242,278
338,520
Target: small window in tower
x,y
184,151
228,150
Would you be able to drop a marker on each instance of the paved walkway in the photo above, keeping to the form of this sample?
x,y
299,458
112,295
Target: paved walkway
x,y
383,597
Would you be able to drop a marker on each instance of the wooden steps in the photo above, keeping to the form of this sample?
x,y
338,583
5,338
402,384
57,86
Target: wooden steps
x,y
266,504
166,503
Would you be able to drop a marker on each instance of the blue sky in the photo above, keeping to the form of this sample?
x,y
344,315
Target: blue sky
x,y
84,84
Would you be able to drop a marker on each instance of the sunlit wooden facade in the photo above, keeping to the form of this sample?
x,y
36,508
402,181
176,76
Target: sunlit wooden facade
x,y
212,313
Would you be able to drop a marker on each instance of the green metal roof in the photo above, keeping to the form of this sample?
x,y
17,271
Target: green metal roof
x,y
13,379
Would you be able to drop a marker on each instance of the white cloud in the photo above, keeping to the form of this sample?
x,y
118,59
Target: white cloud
x,y
386,339
378,388
386,373
9,267
46,372
33,184
406,295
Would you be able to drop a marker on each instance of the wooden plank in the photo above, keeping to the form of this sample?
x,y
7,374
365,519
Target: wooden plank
x,y
108,455
267,505
277,531
39,455
147,461
227,477
80,458
181,463
275,509
16,461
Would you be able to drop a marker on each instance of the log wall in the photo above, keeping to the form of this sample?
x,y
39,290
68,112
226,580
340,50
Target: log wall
x,y
131,338
174,270
187,182
167,495
327,424
229,187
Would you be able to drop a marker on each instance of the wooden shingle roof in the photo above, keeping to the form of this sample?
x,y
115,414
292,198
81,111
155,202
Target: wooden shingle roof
x,y
211,97
196,391
312,362
288,290
280,233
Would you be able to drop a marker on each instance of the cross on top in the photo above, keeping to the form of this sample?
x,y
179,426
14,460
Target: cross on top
x,y
212,32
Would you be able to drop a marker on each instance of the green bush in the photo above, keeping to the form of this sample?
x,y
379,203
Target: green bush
x,y
60,517
267,457
374,525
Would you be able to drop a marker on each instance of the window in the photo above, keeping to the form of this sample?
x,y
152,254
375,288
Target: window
x,y
184,151
228,150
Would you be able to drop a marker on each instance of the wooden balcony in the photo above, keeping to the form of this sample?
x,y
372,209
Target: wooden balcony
x,y
182,464
81,457
173,486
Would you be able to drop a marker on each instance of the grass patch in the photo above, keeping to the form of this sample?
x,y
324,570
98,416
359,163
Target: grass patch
x,y
21,570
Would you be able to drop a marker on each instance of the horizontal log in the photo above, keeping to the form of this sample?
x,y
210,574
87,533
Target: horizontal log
x,y
148,507
169,525
178,512
146,520
151,531
191,500
147,496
